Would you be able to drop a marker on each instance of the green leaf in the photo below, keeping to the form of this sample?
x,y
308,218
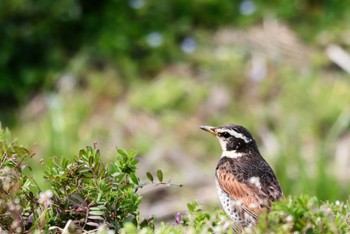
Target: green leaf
x,y
190,207
122,152
96,168
89,175
134,178
120,178
97,154
81,153
96,212
96,217
132,154
160,175
134,162
93,224
21,150
149,176
91,160
99,196
100,208
102,172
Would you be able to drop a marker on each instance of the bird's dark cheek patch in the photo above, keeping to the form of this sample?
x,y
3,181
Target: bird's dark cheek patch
x,y
230,146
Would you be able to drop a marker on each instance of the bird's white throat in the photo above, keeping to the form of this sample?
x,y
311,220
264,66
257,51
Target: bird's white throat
x,y
231,154
228,153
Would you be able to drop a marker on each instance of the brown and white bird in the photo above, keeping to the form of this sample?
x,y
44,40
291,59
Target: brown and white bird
x,y
245,182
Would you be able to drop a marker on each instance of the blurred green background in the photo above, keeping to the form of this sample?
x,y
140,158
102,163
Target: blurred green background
x,y
144,74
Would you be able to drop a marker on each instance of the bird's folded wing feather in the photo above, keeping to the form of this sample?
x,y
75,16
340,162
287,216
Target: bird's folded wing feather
x,y
250,197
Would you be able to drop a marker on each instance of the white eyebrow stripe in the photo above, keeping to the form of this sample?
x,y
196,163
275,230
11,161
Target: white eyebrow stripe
x,y
237,135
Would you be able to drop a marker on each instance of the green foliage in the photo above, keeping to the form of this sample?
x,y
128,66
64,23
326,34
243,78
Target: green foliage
x,y
196,220
306,214
16,199
301,214
160,175
85,189
84,192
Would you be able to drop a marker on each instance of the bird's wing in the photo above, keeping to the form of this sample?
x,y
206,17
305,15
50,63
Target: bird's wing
x,y
270,185
249,196
274,191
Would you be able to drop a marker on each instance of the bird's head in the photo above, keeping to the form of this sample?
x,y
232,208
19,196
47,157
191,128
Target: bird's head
x,y
235,140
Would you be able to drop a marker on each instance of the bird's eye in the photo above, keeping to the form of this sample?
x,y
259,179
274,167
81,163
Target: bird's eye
x,y
225,134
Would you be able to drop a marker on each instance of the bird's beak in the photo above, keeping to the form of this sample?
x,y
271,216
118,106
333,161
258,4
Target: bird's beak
x,y
209,129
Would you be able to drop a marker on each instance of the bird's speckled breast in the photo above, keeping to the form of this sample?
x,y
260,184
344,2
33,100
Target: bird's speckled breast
x,y
233,208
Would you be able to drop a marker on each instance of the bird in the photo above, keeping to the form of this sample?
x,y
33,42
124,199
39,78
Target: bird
x,y
245,182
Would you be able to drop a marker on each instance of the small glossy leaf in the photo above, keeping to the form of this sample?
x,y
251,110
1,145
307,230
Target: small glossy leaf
x,y
96,168
96,212
122,152
120,178
149,176
100,208
102,172
81,153
95,217
93,224
91,160
134,162
21,150
134,178
190,207
160,175
99,196
89,175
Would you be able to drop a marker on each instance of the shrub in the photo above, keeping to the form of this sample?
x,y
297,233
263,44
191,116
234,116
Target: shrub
x,y
305,214
17,202
93,193
84,192
301,214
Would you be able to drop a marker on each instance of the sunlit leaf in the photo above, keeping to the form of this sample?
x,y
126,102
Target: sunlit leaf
x,y
93,224
95,217
97,208
122,152
81,153
96,212
134,162
134,178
